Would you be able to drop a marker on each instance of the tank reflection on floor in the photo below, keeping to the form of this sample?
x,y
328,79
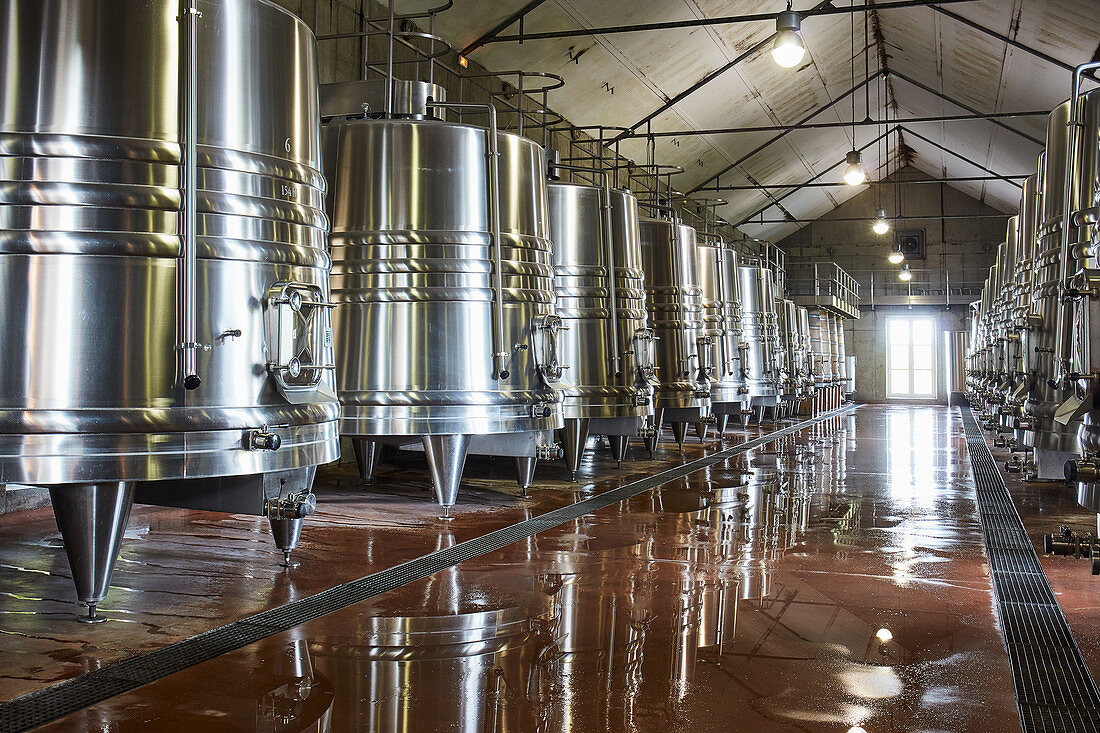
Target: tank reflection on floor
x,y
749,595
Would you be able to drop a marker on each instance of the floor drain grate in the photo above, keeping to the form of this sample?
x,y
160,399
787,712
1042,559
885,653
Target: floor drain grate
x,y
1054,690
64,698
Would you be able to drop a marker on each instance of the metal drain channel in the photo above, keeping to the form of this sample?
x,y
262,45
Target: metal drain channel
x,y
1055,692
54,702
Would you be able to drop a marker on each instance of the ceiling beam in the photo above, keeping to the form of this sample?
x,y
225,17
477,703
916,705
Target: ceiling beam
x,y
818,10
963,105
839,184
491,35
786,132
829,125
960,156
800,186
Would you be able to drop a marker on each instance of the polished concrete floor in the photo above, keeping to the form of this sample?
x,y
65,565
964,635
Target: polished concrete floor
x,y
747,596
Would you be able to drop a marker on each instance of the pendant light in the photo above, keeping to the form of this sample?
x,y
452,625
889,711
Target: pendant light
x,y
853,172
789,48
881,226
905,274
896,256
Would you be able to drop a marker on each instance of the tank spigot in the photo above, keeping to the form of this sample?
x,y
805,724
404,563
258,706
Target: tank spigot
x,y
260,439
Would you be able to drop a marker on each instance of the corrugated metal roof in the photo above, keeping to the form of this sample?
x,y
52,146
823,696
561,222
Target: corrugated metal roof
x,y
943,67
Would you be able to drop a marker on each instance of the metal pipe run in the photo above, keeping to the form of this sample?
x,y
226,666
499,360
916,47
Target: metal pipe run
x,y
500,354
189,346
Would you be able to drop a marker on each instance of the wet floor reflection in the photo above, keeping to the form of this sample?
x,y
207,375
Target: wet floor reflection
x,y
822,582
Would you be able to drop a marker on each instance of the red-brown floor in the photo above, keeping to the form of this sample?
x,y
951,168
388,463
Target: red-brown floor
x,y
746,596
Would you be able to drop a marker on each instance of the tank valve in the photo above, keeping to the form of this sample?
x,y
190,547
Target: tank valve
x,y
709,419
291,506
1083,470
541,410
999,441
640,400
260,439
647,432
549,452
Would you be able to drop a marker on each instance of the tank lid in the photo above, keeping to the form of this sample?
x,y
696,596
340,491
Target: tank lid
x,y
356,97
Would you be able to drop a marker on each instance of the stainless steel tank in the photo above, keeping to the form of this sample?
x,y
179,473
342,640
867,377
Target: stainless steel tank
x,y
807,375
821,350
1081,352
162,264
436,348
612,374
1053,430
793,357
674,302
1020,309
721,286
760,331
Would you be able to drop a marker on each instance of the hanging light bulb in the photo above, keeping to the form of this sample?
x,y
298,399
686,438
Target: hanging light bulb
x,y
905,274
853,173
896,257
881,226
789,48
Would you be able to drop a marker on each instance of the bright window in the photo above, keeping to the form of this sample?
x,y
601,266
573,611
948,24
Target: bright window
x,y
910,358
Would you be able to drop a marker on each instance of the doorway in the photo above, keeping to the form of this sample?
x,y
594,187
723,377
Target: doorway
x,y
910,358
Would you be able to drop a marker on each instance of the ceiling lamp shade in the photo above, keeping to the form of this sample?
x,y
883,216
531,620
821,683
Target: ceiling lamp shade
x,y
896,257
881,226
789,48
853,172
905,274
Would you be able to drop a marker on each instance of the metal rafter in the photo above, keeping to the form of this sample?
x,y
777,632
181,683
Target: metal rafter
x,y
710,77
829,125
799,186
491,35
963,105
840,184
1004,39
962,157
786,132
818,10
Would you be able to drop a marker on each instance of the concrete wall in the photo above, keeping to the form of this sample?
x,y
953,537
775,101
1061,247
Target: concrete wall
x,y
865,338
959,254
959,251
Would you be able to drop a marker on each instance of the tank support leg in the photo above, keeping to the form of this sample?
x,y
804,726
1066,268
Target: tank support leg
x,y
574,436
92,521
366,456
723,423
525,471
446,456
679,432
701,431
619,446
